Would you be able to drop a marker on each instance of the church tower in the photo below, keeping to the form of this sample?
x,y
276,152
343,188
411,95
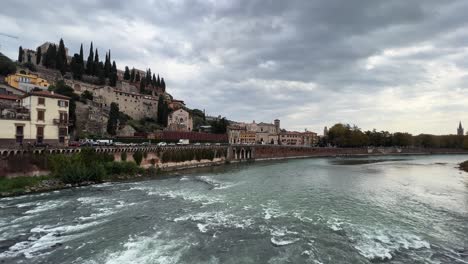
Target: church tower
x,y
460,130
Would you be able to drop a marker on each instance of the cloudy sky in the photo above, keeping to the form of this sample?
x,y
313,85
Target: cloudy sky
x,y
394,65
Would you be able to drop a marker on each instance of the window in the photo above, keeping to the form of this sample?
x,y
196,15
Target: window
x,y
19,134
40,115
62,103
63,117
40,134
41,101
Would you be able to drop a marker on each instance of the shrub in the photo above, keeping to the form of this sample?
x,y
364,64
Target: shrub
x,y
124,167
123,156
138,157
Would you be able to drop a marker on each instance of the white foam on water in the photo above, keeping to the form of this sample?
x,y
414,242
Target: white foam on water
x,y
335,224
383,244
207,221
283,242
214,183
188,196
46,206
44,238
272,210
147,250
281,236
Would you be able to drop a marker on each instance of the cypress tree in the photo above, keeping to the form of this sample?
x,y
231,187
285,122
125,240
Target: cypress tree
x,y
113,119
137,77
61,61
75,67
158,82
113,76
20,54
81,56
89,62
29,57
163,85
132,75
148,76
96,63
160,110
153,81
142,86
100,73
51,56
126,74
38,55
107,65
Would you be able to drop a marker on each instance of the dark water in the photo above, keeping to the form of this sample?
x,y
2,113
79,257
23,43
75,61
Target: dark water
x,y
396,210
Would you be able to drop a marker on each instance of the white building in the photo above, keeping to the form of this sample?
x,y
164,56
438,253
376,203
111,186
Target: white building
x,y
40,117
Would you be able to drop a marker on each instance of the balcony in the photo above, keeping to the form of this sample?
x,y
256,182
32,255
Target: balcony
x,y
61,122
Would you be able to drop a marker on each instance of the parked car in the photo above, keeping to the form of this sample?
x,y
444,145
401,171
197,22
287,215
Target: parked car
x,y
183,142
197,144
104,142
88,143
119,144
171,144
162,144
41,145
207,144
218,144
73,144
145,144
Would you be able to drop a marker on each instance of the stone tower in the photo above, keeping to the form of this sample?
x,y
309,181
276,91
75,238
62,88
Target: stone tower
x,y
277,125
460,130
325,132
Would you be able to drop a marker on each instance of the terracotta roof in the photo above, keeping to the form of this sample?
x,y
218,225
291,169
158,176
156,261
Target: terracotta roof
x,y
9,97
47,94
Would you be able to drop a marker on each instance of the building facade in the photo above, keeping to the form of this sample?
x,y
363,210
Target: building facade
x,y
268,133
39,117
26,82
180,120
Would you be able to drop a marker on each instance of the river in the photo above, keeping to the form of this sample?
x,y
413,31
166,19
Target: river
x,y
397,209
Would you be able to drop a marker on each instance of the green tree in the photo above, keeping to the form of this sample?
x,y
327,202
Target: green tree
x,y
113,119
81,56
29,57
107,65
132,75
143,86
20,54
90,62
38,55
99,68
138,157
126,73
61,60
6,65
63,89
137,77
96,63
113,77
76,67
86,95
158,82
163,85
51,57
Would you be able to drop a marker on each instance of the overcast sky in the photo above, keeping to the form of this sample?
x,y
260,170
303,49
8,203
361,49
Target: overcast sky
x,y
394,65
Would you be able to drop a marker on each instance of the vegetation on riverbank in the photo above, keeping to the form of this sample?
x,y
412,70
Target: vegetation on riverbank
x,y
84,168
464,166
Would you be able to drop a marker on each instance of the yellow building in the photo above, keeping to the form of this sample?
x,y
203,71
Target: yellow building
x,y
26,82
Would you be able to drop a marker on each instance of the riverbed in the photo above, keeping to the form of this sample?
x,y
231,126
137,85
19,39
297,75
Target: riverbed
x,y
397,209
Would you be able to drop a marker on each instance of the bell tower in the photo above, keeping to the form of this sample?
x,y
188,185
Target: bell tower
x,y
460,130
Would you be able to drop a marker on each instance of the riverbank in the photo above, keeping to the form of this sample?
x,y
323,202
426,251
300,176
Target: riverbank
x,y
129,171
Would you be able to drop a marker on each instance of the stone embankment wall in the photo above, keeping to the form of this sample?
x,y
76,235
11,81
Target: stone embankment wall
x,y
20,162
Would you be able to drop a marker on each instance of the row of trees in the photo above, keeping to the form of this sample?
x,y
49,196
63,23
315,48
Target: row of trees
x,y
56,58
345,135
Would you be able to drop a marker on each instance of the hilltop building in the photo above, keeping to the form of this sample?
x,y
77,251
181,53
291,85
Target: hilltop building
x,y
37,117
180,120
460,130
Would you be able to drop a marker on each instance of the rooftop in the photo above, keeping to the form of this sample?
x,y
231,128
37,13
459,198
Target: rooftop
x,y
47,94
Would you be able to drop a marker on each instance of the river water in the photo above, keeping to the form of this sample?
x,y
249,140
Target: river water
x,y
411,209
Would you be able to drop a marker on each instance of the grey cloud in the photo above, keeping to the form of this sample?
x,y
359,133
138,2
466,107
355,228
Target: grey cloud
x,y
242,58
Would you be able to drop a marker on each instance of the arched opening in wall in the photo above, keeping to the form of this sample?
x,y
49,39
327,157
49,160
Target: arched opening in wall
x,y
242,156
272,142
